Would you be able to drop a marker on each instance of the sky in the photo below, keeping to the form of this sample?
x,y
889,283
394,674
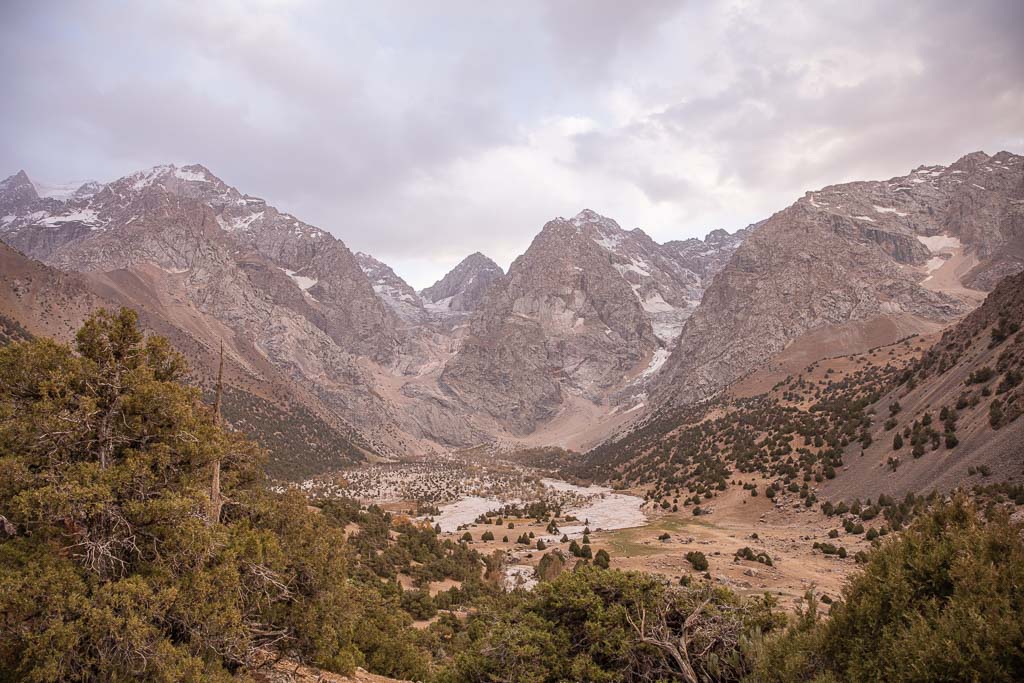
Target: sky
x,y
423,131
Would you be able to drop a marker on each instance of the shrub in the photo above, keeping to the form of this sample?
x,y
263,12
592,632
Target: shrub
x,y
697,559
942,601
995,414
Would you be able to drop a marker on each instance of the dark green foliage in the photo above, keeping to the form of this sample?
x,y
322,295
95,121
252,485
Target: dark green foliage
x,y
697,559
600,626
105,469
12,331
942,601
981,375
551,565
748,554
995,414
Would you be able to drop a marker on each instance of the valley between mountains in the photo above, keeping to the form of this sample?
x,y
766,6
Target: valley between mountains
x,y
757,408
592,329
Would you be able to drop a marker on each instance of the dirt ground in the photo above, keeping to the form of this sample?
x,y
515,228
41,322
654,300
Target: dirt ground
x,y
785,531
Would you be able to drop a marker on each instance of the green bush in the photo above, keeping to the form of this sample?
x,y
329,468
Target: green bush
x,y
607,625
941,601
106,464
698,560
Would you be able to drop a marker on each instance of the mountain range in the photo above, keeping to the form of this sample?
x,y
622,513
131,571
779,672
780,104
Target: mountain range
x,y
333,358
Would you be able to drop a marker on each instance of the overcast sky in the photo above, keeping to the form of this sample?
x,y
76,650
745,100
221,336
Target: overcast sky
x,y
423,131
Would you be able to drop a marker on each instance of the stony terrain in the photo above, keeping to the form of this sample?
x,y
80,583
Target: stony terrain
x,y
587,309
591,328
854,253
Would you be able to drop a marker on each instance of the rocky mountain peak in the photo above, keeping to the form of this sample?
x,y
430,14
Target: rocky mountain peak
x,y
463,288
16,192
911,252
19,179
392,289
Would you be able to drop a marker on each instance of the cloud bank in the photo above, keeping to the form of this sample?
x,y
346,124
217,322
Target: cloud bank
x,y
421,132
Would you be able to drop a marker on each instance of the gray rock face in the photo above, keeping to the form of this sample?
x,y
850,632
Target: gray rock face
x,y
582,311
187,221
16,194
591,312
291,293
708,256
848,253
463,288
392,290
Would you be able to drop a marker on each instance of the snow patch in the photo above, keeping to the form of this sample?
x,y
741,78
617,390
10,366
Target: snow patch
x,y
657,360
87,216
302,281
654,303
190,176
237,223
632,268
144,179
609,242
886,209
667,330
59,191
940,243
934,263
442,306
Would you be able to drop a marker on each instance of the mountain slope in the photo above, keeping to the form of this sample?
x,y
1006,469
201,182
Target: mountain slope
x,y
586,312
302,435
968,385
392,290
909,417
912,248
289,299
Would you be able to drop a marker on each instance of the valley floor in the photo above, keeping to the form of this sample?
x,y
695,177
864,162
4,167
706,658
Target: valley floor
x,y
454,493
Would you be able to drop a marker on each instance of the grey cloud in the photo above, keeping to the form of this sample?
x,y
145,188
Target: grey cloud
x,y
410,129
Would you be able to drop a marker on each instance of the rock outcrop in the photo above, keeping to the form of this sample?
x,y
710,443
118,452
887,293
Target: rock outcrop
x,y
392,290
463,288
587,309
912,245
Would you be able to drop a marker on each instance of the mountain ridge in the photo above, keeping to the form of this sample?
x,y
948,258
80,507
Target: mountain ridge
x,y
592,320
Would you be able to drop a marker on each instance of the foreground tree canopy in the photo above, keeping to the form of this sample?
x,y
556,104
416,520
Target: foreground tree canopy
x,y
110,565
115,565
941,602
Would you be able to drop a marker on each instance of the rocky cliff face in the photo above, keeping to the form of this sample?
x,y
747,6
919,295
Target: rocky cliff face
x,y
588,308
392,290
913,245
587,323
463,288
286,292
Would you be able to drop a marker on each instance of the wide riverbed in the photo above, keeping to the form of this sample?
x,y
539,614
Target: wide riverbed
x,y
595,506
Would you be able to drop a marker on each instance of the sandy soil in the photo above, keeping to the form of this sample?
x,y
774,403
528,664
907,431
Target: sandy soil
x,y
834,340
785,530
580,425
